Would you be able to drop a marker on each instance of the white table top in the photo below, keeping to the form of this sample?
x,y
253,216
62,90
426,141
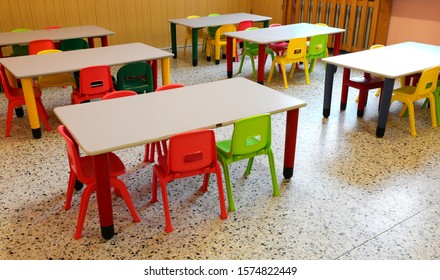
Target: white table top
x,y
115,124
218,20
56,34
392,61
36,65
283,33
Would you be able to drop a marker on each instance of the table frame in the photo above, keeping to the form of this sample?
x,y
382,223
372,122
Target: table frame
x,y
26,68
57,34
278,34
390,62
202,22
183,107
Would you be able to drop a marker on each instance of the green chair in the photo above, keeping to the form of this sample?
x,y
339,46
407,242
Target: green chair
x,y
73,44
213,29
251,138
135,76
317,49
20,49
251,50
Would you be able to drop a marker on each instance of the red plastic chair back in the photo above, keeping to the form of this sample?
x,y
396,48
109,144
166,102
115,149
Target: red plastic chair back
x,y
119,93
72,152
10,92
95,80
169,86
40,45
192,151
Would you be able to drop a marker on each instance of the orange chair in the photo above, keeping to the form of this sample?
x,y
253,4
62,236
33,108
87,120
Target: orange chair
x,y
118,94
94,82
150,148
16,99
189,154
242,25
82,169
40,45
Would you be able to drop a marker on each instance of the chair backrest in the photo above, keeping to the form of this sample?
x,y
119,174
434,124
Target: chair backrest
x,y
52,27
20,49
49,51
73,44
189,29
321,24
376,46
296,48
72,151
428,81
169,86
251,45
40,45
212,29
318,45
223,29
191,151
118,94
251,134
136,76
95,80
244,25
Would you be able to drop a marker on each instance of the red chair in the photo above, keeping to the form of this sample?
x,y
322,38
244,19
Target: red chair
x,y
16,99
363,84
242,25
280,47
118,94
41,45
150,149
82,169
94,82
189,154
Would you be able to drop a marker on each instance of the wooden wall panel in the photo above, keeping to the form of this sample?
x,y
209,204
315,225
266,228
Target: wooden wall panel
x,y
132,20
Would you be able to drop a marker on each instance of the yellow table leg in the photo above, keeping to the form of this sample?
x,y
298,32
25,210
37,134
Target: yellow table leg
x,y
166,73
31,106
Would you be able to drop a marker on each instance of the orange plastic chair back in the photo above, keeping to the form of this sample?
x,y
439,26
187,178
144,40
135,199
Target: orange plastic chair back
x,y
95,80
40,45
118,94
169,86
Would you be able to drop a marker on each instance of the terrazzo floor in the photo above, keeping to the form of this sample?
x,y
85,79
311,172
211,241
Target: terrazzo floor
x,y
352,196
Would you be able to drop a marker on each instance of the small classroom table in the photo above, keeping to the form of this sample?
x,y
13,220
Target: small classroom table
x,y
202,22
282,33
103,127
390,62
26,68
57,34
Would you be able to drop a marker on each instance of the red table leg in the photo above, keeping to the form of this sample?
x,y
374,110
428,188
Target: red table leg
x,y
337,45
91,42
104,195
229,42
104,41
261,62
153,64
290,143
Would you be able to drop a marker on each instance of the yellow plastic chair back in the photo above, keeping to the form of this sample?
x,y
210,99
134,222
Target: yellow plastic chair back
x,y
251,137
201,35
219,41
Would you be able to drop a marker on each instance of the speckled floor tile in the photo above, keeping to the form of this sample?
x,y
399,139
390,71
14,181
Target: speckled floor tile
x,y
352,196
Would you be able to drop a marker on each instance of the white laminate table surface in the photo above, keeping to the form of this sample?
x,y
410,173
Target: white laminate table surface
x,y
101,127
283,33
36,65
391,61
207,21
56,34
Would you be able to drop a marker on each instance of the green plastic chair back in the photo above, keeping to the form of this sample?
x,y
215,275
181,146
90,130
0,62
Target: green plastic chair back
x,y
213,29
251,137
73,44
317,49
135,76
251,49
20,49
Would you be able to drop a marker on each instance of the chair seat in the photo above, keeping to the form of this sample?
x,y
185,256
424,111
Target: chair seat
x,y
369,82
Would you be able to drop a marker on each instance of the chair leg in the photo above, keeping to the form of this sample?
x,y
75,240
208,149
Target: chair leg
x,y
361,102
231,205
253,67
147,152
154,187
70,190
412,121
272,68
123,192
283,70
241,64
306,71
276,191
42,112
9,120
221,194
84,204
433,110
166,209
248,170
204,187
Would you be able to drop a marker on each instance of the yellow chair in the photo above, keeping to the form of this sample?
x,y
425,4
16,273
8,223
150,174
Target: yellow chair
x,y
220,42
55,80
296,52
410,94
201,35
